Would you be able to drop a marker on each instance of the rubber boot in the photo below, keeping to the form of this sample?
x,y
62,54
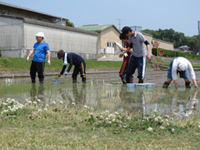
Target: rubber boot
x,y
128,79
33,80
187,84
41,81
140,81
131,79
74,81
165,85
84,80
123,79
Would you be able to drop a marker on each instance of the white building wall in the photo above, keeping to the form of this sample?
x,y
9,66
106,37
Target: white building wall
x,y
11,37
83,44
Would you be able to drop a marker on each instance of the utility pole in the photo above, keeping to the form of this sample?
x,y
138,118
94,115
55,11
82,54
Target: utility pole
x,y
199,36
119,23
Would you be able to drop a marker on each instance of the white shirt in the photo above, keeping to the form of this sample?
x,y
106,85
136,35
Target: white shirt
x,y
184,61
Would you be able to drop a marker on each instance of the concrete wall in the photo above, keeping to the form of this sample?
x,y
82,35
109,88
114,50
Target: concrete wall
x,y
18,37
11,37
83,44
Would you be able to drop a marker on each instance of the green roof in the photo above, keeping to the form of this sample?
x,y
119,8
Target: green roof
x,y
95,27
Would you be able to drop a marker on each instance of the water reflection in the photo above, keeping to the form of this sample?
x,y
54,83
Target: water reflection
x,y
37,94
110,96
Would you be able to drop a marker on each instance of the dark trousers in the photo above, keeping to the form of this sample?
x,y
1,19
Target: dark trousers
x,y
37,67
79,68
136,63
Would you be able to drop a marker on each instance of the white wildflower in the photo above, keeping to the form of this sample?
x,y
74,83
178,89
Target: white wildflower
x,y
166,116
156,119
61,102
159,117
54,103
38,100
47,105
161,127
90,114
107,111
26,100
172,130
29,102
34,103
113,120
116,113
73,103
9,107
12,101
150,129
85,106
109,122
166,120
155,111
39,110
45,109
199,126
111,116
129,118
4,104
92,109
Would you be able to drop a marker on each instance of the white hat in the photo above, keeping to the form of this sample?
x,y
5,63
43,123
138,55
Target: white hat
x,y
182,66
40,34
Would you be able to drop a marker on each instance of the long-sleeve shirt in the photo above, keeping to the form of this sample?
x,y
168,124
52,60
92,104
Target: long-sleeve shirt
x,y
72,59
184,61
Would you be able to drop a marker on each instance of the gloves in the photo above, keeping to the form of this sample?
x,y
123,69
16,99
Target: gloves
x,y
66,73
27,59
49,63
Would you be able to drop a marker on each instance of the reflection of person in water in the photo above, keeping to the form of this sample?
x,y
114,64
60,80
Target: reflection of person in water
x,y
191,105
131,101
79,97
39,94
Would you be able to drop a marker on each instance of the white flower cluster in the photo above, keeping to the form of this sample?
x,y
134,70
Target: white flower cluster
x,y
10,105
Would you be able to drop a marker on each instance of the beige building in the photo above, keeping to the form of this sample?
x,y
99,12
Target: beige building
x,y
107,35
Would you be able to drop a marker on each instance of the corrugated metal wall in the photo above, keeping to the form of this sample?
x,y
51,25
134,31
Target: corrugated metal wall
x,y
11,37
83,44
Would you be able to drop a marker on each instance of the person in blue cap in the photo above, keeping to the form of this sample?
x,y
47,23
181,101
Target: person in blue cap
x,y
72,59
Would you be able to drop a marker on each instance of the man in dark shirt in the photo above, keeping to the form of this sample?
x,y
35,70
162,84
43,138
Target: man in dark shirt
x,y
72,59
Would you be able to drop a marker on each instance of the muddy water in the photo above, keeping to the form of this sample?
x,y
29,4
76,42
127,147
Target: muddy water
x,y
103,93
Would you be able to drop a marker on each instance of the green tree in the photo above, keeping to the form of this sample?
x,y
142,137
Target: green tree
x,y
69,24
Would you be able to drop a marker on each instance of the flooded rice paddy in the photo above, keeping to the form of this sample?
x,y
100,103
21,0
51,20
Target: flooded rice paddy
x,y
108,94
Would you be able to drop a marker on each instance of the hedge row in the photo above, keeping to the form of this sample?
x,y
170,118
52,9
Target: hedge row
x,y
170,53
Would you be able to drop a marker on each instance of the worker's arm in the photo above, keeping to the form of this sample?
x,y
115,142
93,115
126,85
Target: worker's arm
x,y
174,73
49,57
192,74
31,52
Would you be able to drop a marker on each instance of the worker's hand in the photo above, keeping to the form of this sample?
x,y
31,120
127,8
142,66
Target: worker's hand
x,y
27,59
149,57
49,63
196,86
59,75
66,73
121,55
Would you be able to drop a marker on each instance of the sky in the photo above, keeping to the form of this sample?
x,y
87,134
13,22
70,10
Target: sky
x,y
180,15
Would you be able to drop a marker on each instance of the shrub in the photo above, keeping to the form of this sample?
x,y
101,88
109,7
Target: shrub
x,y
170,53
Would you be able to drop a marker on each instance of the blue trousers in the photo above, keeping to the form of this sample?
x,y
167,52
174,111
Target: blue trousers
x,y
136,63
